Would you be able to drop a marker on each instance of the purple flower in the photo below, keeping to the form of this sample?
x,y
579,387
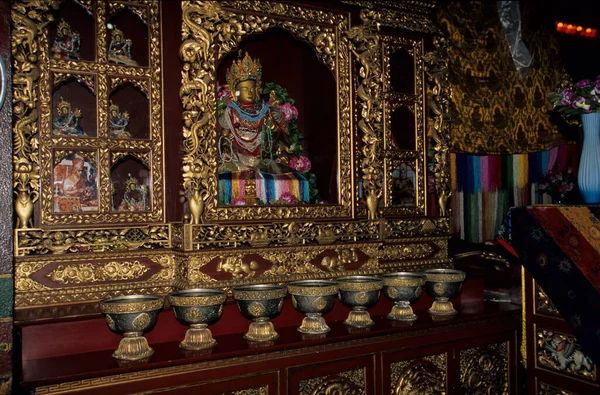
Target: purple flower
x,y
290,112
301,163
568,96
584,83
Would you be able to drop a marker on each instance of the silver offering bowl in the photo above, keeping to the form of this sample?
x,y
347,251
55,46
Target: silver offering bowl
x,y
360,293
131,316
443,285
313,298
402,288
260,303
198,308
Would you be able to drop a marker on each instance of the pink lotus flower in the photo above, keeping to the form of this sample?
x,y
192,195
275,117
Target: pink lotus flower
x,y
286,198
301,163
290,112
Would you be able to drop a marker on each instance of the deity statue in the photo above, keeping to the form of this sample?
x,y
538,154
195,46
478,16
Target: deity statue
x,y
66,43
252,127
117,122
67,121
119,49
135,197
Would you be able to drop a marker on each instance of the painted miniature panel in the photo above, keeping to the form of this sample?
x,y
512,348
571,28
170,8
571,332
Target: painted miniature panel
x,y
561,353
75,182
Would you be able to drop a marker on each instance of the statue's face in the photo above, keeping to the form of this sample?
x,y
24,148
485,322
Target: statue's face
x,y
247,92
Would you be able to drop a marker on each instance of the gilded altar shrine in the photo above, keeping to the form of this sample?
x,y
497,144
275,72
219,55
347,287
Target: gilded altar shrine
x,y
162,145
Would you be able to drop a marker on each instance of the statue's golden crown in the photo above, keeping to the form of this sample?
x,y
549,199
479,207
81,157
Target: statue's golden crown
x,y
61,27
242,70
63,104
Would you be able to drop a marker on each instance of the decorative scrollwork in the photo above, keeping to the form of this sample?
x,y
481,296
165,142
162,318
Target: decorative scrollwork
x,y
142,85
436,66
280,234
364,41
87,79
39,242
90,273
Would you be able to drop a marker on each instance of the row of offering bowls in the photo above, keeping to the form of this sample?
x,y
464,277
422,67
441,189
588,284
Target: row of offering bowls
x,y
134,315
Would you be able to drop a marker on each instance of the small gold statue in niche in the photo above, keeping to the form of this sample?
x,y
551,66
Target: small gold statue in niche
x,y
66,44
67,121
119,49
135,197
117,122
260,148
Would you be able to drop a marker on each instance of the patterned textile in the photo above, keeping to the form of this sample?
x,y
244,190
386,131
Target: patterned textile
x,y
494,110
270,188
275,187
485,187
560,247
231,186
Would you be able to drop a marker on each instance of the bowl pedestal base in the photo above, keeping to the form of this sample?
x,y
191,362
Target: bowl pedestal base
x,y
442,306
313,324
402,312
198,337
359,317
133,347
261,330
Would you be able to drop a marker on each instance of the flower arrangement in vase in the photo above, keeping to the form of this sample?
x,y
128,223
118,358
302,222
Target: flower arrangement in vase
x,y
558,184
574,100
582,99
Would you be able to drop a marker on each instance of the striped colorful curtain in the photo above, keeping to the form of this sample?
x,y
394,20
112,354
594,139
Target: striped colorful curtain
x,y
485,187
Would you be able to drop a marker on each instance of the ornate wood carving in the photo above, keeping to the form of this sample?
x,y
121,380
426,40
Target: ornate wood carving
x,y
426,375
484,370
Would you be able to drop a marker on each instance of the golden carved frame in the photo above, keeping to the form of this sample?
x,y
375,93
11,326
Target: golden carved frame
x,y
212,30
295,242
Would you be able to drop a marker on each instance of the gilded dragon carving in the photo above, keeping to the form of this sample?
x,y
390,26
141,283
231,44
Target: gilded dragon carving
x,y
29,18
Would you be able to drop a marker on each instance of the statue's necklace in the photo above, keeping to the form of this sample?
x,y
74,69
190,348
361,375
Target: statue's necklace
x,y
247,114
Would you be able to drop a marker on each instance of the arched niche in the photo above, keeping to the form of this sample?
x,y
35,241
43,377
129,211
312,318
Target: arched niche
x,y
404,181
402,72
79,95
130,183
134,29
293,64
403,129
131,99
81,20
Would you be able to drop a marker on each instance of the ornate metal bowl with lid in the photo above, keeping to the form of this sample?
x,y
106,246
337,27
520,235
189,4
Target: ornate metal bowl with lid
x,y
360,293
260,303
443,285
402,288
131,316
313,298
198,308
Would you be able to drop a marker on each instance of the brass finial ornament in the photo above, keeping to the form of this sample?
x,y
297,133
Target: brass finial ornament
x,y
243,70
